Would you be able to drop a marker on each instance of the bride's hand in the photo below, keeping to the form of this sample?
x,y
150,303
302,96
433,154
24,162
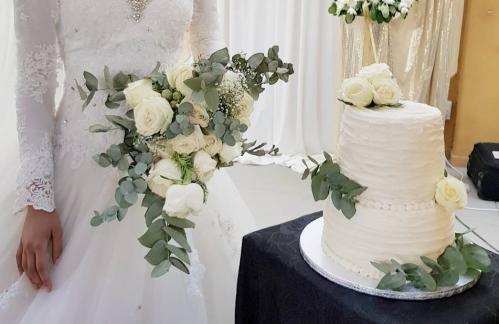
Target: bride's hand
x,y
40,229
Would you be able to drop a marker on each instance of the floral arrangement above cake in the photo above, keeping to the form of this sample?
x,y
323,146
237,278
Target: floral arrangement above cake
x,y
179,125
374,86
380,11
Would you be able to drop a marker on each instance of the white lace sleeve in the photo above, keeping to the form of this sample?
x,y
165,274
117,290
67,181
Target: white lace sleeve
x,y
205,28
36,84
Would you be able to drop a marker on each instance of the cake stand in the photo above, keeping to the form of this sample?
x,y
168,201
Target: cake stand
x,y
311,249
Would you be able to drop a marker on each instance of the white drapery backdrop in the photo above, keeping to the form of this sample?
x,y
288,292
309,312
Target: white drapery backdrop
x,y
7,74
299,117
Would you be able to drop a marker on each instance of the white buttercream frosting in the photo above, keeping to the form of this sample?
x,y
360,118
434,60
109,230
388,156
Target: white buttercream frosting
x,y
398,154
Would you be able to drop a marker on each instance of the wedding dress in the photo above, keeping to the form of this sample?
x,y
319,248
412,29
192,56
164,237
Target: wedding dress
x,y
102,276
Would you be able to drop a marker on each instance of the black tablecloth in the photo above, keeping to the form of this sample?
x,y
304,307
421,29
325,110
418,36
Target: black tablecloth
x,y
275,285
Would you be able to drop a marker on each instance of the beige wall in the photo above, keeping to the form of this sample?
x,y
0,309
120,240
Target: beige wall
x,y
477,85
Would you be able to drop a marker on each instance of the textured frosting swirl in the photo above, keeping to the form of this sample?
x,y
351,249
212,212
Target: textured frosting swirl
x,y
380,235
397,153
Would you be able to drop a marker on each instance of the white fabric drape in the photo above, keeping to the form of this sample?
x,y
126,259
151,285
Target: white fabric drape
x,y
7,73
299,117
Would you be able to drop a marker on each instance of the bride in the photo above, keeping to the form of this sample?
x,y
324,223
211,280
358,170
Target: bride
x,y
70,272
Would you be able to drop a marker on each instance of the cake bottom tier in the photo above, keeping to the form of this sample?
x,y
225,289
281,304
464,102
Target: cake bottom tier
x,y
376,234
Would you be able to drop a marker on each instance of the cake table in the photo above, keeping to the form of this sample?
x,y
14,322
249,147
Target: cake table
x,y
276,285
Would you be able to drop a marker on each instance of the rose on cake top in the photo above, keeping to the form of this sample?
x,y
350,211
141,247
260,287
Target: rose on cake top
x,y
374,86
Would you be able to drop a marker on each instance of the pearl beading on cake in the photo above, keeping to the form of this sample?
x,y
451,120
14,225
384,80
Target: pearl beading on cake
x,y
412,206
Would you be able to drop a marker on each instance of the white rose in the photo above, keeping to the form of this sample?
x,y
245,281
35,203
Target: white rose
x,y
182,200
451,193
162,175
229,153
187,144
137,91
375,72
177,76
160,148
204,166
387,92
245,109
199,115
213,144
357,91
153,115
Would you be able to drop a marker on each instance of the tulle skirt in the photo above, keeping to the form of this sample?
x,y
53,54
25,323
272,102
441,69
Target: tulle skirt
x,y
102,276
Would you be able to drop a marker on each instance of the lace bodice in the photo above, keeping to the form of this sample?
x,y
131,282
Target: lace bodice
x,y
86,35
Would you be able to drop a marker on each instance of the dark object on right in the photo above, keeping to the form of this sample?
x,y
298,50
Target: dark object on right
x,y
483,170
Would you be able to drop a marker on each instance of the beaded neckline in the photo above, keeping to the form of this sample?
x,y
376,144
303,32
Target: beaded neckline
x,y
138,7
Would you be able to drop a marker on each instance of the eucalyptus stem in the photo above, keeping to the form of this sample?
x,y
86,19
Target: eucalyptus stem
x,y
369,26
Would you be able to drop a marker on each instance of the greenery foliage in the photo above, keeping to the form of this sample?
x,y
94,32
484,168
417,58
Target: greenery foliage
x,y
327,179
462,258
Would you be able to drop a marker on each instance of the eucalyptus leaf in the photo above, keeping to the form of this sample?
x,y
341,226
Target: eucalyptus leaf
x,y
453,259
154,211
447,278
221,56
121,122
385,267
153,234
91,81
179,265
180,253
431,264
161,269
317,186
476,257
392,281
118,96
98,128
123,164
255,60
140,168
122,213
103,160
178,222
126,187
120,81
178,235
158,253
82,93
194,84
131,197
108,78
336,197
88,100
348,208
212,98
473,273
140,185
114,153
96,220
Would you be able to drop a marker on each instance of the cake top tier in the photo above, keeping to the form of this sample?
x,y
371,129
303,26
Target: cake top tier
x,y
397,153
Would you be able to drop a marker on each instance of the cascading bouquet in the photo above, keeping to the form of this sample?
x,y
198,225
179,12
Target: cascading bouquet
x,y
380,11
183,123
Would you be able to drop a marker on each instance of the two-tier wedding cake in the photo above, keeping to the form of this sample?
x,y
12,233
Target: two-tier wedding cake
x,y
398,154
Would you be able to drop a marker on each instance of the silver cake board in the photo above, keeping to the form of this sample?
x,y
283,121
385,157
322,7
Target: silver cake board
x,y
311,250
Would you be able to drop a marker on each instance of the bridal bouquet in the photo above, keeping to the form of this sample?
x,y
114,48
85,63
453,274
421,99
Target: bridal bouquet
x,y
182,123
